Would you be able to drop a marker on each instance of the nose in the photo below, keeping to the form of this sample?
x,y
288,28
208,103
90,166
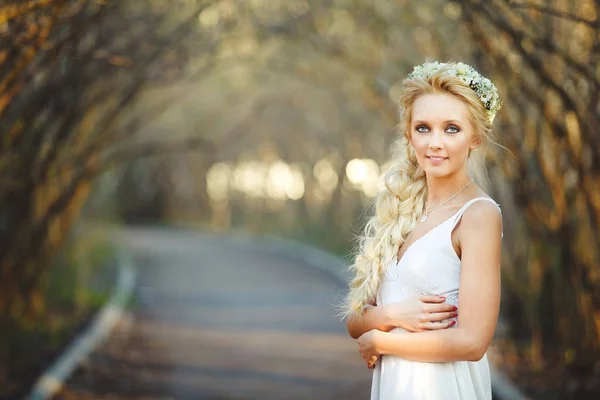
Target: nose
x,y
436,141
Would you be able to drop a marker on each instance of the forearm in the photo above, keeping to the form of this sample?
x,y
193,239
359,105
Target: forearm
x,y
373,317
445,345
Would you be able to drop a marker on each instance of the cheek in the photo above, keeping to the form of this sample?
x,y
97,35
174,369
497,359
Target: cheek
x,y
458,147
420,146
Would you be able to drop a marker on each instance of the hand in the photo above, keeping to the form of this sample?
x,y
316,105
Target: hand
x,y
367,347
422,313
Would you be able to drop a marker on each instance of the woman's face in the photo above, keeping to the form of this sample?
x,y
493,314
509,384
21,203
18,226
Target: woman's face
x,y
441,134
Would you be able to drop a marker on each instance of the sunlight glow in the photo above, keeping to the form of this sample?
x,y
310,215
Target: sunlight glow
x,y
280,181
209,17
326,175
249,178
218,181
356,170
363,174
285,181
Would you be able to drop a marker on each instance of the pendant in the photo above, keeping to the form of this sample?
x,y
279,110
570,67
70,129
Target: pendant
x,y
424,218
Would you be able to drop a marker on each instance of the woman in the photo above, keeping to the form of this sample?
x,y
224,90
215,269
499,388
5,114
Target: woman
x,y
435,231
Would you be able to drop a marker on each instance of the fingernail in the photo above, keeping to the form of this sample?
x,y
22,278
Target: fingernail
x,y
456,314
453,322
455,308
442,297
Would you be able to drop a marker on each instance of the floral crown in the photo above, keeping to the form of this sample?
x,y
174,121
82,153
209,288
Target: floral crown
x,y
485,89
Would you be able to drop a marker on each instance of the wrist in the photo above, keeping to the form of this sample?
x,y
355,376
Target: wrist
x,y
378,341
390,319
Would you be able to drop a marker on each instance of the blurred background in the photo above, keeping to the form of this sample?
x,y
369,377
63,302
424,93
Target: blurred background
x,y
275,117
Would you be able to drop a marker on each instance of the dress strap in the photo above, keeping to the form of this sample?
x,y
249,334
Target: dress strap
x,y
464,208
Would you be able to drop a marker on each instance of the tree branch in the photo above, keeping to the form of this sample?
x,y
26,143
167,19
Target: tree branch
x,y
555,13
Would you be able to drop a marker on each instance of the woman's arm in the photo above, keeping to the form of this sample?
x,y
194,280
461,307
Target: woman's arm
x,y
373,317
479,300
413,314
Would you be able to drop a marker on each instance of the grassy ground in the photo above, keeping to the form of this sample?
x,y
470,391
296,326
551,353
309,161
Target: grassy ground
x,y
74,289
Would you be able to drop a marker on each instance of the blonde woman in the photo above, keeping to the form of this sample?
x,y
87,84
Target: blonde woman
x,y
425,297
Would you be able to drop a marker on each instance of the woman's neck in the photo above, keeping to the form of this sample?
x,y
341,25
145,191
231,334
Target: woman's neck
x,y
441,189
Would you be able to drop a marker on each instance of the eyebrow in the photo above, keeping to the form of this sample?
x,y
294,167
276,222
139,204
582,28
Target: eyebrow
x,y
450,120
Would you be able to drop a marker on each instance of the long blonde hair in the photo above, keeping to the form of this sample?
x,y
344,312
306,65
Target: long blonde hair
x,y
400,203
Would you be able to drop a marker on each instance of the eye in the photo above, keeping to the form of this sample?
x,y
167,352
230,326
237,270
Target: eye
x,y
422,128
452,129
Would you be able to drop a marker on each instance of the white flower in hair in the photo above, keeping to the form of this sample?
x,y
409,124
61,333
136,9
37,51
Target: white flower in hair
x,y
485,89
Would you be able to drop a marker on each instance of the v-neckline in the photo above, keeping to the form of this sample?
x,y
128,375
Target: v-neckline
x,y
398,260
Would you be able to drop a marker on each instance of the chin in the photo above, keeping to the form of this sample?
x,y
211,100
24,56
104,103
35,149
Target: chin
x,y
437,173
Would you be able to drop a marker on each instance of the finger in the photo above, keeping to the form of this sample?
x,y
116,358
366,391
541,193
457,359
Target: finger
x,y
431,325
441,316
372,361
426,298
436,308
368,357
364,356
434,326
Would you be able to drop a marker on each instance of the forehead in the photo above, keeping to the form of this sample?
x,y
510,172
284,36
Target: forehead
x,y
439,106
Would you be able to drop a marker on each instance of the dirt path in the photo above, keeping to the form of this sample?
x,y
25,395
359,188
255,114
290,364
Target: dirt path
x,y
214,321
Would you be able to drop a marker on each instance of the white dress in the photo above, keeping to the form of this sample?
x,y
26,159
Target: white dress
x,y
429,266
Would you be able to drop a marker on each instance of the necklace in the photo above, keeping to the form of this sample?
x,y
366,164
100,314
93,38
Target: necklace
x,y
426,215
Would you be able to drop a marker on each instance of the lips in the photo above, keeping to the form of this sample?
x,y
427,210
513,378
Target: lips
x,y
436,158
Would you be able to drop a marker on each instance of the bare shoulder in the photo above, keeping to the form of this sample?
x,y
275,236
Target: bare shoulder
x,y
482,216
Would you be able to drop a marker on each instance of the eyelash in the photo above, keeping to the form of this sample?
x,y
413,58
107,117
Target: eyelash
x,y
449,127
